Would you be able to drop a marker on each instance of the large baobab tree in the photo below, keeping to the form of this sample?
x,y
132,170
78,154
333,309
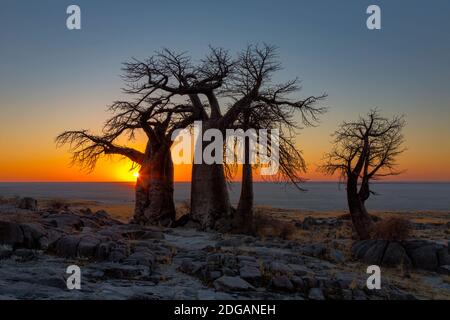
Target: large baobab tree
x,y
157,118
175,74
363,151
172,91
219,89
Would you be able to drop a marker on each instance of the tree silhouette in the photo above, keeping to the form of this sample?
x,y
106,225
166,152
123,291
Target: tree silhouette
x,y
170,92
158,119
271,108
363,151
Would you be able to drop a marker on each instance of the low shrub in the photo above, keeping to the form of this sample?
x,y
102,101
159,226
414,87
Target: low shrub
x,y
392,228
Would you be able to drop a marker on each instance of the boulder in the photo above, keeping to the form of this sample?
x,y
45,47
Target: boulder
x,y
141,258
336,256
370,251
67,246
299,270
443,256
395,255
87,247
118,253
281,283
316,294
250,274
423,254
314,250
152,234
227,283
374,253
189,267
11,234
121,271
299,283
444,269
5,252
64,220
20,235
28,203
278,268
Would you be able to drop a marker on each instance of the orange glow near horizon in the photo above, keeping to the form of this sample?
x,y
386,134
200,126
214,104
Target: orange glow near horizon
x,y
35,158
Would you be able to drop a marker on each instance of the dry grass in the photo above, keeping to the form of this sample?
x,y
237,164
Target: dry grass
x,y
182,208
393,229
265,226
57,204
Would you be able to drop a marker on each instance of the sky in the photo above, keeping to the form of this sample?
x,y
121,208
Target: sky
x,y
53,79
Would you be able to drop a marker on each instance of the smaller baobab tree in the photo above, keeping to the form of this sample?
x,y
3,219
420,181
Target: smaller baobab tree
x,y
274,106
363,151
157,118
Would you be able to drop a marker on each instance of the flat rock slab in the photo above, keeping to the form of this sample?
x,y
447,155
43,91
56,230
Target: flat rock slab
x,y
227,283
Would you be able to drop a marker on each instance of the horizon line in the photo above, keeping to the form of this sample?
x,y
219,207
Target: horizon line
x,y
237,181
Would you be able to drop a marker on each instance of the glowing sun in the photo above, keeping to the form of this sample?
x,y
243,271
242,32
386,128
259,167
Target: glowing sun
x,y
136,175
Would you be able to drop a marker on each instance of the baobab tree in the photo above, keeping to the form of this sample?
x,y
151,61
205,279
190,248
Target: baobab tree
x,y
291,164
272,108
219,89
365,150
158,119
171,93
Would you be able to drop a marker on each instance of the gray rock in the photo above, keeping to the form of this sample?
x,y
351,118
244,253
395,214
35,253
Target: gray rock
x,y
278,268
222,260
189,267
299,283
314,250
425,257
251,274
232,242
226,283
395,255
103,250
316,294
213,275
281,283
25,254
28,203
358,294
370,251
20,235
345,279
443,256
444,269
152,235
11,234
229,272
359,248
347,294
64,220
336,256
5,252
87,247
141,258
299,270
118,253
310,282
67,246
121,271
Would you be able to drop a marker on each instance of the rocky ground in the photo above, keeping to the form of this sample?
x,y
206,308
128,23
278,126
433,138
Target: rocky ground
x,y
124,261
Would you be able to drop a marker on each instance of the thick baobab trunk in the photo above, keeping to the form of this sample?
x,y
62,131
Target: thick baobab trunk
x,y
360,217
244,213
210,201
154,190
